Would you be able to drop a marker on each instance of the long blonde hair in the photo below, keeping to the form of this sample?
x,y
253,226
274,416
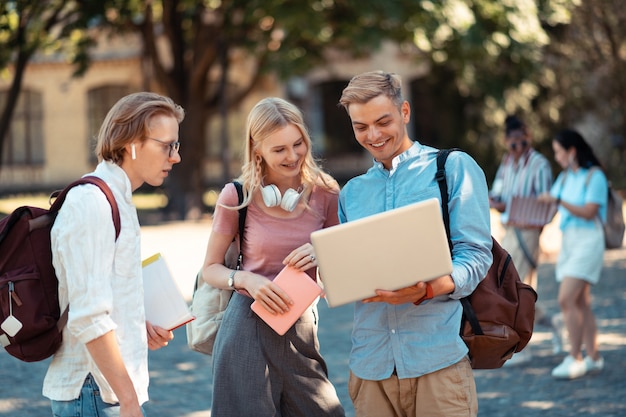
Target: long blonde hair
x,y
266,117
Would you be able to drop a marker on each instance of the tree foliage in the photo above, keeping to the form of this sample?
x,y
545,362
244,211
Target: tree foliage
x,y
192,46
42,26
488,58
480,47
585,74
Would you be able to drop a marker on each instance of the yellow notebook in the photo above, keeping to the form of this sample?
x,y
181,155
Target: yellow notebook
x,y
302,290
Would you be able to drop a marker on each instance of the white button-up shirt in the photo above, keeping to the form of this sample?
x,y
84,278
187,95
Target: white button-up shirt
x,y
101,280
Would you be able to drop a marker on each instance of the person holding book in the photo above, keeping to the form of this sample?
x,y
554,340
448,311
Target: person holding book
x,y
523,172
407,356
257,372
581,192
101,367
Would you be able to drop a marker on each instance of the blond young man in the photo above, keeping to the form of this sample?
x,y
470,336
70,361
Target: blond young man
x,y
407,356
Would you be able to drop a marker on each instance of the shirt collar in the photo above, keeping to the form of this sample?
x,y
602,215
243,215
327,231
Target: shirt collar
x,y
413,151
116,177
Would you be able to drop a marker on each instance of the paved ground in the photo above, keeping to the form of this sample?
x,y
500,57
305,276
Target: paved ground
x,y
181,380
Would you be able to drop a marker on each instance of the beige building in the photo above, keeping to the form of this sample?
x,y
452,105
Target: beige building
x,y
56,121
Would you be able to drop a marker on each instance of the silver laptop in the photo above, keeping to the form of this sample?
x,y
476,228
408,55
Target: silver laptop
x,y
387,251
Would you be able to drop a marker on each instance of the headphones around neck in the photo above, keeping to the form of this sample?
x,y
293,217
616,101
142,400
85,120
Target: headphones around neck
x,y
272,198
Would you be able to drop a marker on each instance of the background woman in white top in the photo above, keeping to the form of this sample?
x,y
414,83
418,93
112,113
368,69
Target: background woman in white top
x,y
101,368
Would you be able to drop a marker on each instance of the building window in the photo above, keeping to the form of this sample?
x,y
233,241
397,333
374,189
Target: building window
x,y
100,100
338,134
24,143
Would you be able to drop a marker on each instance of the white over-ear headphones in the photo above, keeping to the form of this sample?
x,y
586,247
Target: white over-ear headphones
x,y
272,198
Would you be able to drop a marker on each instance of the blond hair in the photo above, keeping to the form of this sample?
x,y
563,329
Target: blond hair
x,y
265,118
129,120
364,87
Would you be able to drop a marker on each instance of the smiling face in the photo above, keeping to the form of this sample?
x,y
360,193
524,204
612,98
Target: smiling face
x,y
283,152
153,159
380,127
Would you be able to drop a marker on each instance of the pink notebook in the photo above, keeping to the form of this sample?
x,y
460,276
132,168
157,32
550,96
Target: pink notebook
x,y
302,290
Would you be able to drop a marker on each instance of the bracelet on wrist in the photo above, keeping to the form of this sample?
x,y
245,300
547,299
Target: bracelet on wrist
x,y
231,279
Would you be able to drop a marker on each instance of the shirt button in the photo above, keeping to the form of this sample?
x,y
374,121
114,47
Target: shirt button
x,y
393,331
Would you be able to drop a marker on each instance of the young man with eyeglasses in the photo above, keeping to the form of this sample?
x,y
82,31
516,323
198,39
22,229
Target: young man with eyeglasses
x,y
407,356
102,366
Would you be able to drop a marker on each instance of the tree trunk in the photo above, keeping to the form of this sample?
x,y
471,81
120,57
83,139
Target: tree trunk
x,y
186,184
12,97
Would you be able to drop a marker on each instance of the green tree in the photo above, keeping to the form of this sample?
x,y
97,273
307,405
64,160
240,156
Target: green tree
x,y
479,50
42,26
586,67
482,54
486,57
275,36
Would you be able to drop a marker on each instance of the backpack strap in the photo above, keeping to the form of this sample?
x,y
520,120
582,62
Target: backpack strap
x,y
440,177
242,221
610,197
115,212
100,183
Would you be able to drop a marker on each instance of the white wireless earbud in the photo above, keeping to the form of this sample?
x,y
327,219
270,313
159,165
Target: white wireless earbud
x,y
272,198
133,153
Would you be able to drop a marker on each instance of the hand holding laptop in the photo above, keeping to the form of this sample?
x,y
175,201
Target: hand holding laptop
x,y
401,296
389,250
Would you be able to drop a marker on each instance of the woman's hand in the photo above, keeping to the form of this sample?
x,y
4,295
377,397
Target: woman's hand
x,y
268,294
302,258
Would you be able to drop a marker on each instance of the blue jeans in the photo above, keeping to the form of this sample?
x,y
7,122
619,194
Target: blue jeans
x,y
88,404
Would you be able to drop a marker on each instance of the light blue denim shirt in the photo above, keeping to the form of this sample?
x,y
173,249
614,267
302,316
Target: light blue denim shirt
x,y
418,340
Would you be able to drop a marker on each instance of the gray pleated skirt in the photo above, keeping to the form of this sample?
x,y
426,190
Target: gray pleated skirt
x,y
258,373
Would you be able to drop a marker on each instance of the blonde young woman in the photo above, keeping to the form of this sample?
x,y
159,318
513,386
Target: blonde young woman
x,y
256,371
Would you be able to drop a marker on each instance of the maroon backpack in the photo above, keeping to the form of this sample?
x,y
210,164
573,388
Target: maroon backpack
x,y
498,317
30,321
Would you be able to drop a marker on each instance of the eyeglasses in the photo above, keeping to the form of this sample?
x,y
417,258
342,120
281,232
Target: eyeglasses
x,y
173,147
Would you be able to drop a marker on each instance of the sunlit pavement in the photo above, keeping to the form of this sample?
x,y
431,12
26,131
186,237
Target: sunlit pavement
x,y
181,379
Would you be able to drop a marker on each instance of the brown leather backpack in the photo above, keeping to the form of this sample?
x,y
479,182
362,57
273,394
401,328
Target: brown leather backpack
x,y
498,317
